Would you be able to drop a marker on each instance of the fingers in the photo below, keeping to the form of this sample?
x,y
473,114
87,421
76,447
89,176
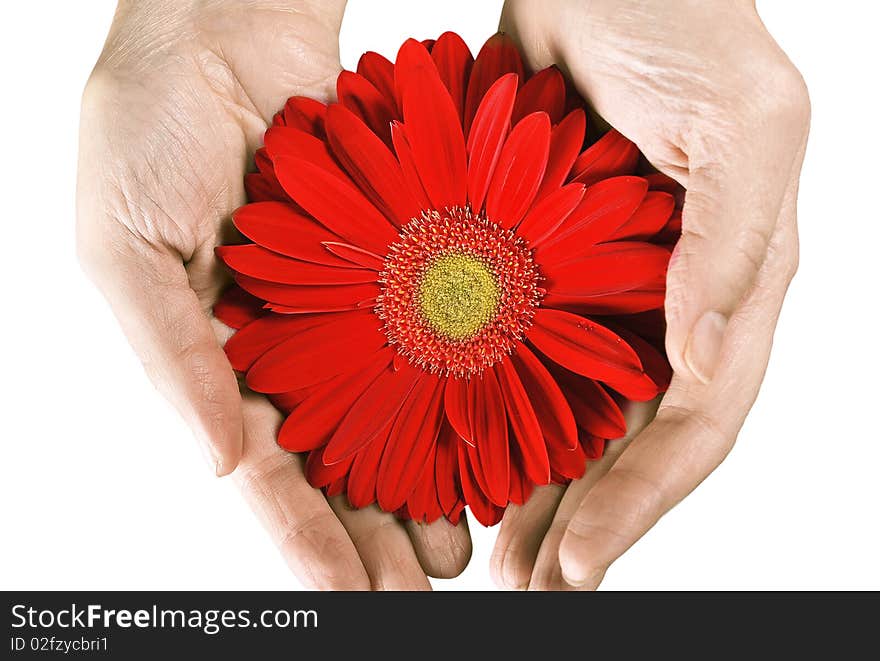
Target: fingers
x,y
520,538
693,431
300,521
547,572
384,547
526,550
443,549
149,292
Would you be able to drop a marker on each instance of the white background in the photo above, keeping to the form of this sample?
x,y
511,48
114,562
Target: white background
x,y
103,487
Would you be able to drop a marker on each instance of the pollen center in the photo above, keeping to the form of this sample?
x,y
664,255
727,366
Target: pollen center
x,y
457,292
458,295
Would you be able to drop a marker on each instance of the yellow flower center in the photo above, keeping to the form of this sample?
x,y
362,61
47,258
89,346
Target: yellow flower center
x,y
458,295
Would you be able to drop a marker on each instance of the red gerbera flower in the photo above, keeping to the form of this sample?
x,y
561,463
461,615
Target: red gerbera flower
x,y
444,292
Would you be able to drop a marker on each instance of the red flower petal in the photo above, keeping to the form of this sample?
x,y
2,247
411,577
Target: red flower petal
x,y
483,510
605,207
432,127
336,204
311,424
318,353
498,56
593,446
236,308
309,298
320,474
594,409
361,97
336,487
520,170
648,219
371,165
524,424
609,268
408,165
551,408
611,156
366,418
545,91
656,366
305,114
486,139
286,141
584,346
262,160
257,262
546,216
651,297
255,339
455,515
446,468
379,70
657,181
365,470
409,445
489,424
456,402
278,227
566,141
672,229
569,464
521,486
454,61
287,401
355,255
262,187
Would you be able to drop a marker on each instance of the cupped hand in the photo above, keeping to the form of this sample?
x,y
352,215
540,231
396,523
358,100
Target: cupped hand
x,y
713,102
173,112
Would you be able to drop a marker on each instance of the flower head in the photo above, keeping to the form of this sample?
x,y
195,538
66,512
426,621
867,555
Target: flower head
x,y
444,291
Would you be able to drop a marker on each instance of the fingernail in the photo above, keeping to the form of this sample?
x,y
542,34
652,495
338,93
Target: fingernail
x,y
704,345
573,582
211,458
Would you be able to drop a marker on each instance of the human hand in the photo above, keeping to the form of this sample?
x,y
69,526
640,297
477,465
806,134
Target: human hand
x,y
711,101
177,105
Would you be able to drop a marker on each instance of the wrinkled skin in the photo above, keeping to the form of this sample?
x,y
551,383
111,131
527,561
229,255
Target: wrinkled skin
x,y
712,101
175,108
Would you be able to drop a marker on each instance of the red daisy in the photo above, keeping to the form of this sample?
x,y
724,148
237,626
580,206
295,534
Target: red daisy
x,y
446,294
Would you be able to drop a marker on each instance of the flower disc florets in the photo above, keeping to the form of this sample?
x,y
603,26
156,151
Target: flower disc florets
x,y
458,291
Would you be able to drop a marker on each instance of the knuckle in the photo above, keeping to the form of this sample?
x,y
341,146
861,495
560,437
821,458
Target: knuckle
x,y
373,535
252,481
780,97
637,496
751,245
790,262
100,88
791,102
313,528
706,427
263,482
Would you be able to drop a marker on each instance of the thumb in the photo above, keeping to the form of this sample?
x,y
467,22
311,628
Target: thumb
x,y
729,214
149,291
